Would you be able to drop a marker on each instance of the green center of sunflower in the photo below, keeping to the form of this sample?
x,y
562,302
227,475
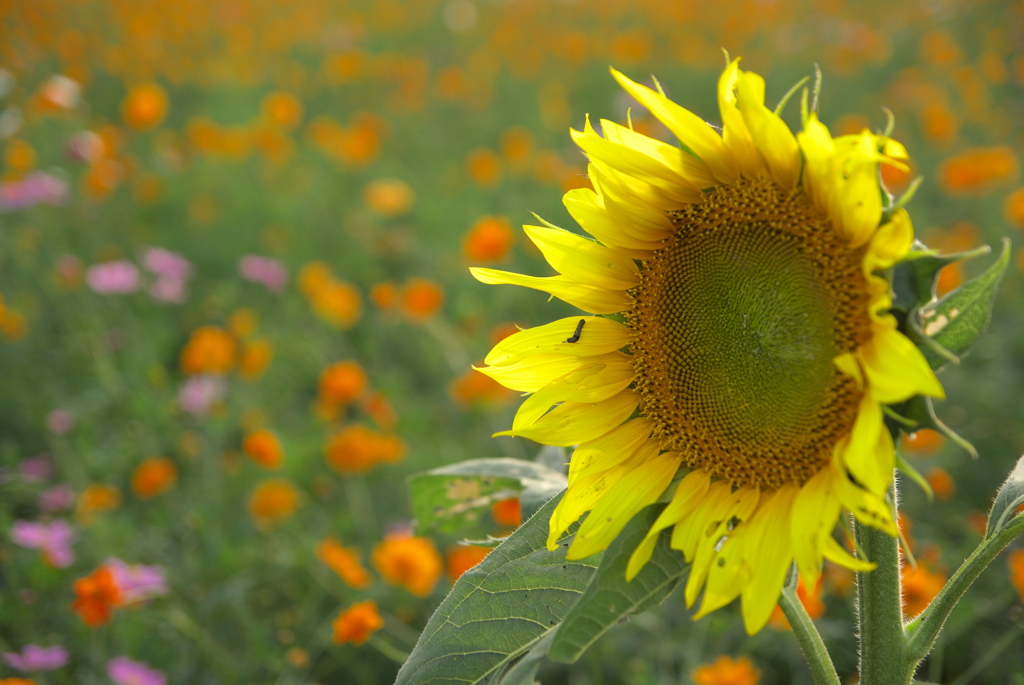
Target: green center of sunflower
x,y
736,323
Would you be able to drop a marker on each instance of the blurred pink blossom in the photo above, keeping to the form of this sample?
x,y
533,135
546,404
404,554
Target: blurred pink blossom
x,y
264,270
36,188
36,658
201,392
61,91
37,468
60,421
52,539
57,498
137,582
86,146
166,263
110,278
169,290
124,671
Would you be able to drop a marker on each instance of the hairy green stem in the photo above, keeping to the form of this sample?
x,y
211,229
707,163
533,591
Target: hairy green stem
x,y
925,628
818,659
883,642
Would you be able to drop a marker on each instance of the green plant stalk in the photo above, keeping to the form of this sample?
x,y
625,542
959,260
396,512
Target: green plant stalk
x,y
818,659
925,628
883,642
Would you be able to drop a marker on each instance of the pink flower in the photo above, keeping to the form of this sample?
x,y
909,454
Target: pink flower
x,y
60,421
37,468
36,188
263,270
61,91
36,658
112,278
86,146
169,290
137,582
57,498
199,393
124,671
52,539
167,264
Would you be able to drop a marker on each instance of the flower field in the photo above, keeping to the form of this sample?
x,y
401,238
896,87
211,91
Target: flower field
x,y
236,314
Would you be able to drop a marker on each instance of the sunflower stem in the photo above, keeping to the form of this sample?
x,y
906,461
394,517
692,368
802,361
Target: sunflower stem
x,y
883,642
924,630
818,659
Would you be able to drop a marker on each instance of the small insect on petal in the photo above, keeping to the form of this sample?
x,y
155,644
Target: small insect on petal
x,y
579,329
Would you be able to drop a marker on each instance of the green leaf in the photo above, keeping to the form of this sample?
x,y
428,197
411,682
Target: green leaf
x,y
957,320
499,609
457,499
609,599
914,278
1009,497
524,671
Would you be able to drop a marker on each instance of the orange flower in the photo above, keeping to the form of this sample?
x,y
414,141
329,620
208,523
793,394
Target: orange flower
x,y
726,671
924,442
264,448
96,596
272,501
357,449
978,522
145,106
1013,208
384,295
811,600
345,562
942,483
357,623
209,350
282,109
484,168
20,156
461,558
338,304
489,240
517,146
919,588
342,383
16,681
361,143
896,180
421,299
1016,562
95,500
409,562
12,323
243,322
314,277
154,476
379,409
256,357
978,169
389,196
507,513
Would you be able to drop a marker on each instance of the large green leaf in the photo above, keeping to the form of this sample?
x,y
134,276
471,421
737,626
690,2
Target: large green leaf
x,y
500,609
457,499
957,320
1008,499
609,598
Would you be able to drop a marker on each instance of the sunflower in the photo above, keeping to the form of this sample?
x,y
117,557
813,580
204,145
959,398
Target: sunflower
x,y
740,346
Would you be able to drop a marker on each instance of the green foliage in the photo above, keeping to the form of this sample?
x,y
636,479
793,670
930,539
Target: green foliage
x,y
1008,500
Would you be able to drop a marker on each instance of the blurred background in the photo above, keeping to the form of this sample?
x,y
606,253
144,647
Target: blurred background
x,y
236,313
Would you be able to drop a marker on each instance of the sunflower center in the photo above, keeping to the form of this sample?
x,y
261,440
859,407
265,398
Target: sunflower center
x,y
736,323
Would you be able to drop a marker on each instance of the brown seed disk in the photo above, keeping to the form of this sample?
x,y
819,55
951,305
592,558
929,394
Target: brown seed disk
x,y
736,323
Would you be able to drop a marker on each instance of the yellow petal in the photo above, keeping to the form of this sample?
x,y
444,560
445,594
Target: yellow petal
x,y
596,381
835,553
642,486
768,131
861,456
691,130
741,505
857,199
815,513
582,496
676,164
610,450
688,496
895,369
584,260
769,554
586,297
534,372
572,423
589,211
734,128
868,507
818,150
598,336
890,243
